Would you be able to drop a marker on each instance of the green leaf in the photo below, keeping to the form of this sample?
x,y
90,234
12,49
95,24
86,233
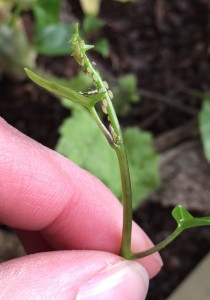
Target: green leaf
x,y
82,142
51,36
56,88
15,50
102,47
204,125
92,23
125,93
63,90
53,39
185,220
46,12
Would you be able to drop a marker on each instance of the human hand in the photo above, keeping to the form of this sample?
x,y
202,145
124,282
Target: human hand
x,y
55,205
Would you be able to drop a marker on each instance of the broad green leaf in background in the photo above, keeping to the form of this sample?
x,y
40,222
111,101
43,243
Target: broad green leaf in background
x,y
82,142
46,12
15,50
51,35
143,163
53,39
92,23
204,124
125,93
102,47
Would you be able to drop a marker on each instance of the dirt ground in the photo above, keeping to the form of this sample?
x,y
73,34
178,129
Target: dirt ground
x,y
167,45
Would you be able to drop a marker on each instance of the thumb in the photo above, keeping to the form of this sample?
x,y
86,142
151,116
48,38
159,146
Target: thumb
x,y
72,275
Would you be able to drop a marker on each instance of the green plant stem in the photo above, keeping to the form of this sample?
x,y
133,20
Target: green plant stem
x,y
125,180
113,135
159,246
125,248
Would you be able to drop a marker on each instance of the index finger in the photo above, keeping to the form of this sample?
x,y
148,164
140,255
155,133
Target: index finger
x,y
42,191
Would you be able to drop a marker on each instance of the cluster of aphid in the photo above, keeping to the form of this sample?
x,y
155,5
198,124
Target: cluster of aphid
x,y
78,51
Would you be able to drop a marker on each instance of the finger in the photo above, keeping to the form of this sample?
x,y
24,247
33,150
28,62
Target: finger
x,y
84,275
42,191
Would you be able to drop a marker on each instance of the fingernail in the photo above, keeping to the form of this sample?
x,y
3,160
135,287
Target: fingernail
x,y
123,281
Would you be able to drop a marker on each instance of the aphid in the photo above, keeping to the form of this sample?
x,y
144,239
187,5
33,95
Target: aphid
x,y
112,131
104,109
119,138
95,78
89,93
104,102
110,94
93,63
104,106
106,85
89,70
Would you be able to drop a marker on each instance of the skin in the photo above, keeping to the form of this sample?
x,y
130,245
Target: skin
x,y
69,223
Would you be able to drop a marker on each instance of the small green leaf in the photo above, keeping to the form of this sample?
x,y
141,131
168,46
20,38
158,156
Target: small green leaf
x,y
102,47
52,40
180,214
57,88
92,23
185,220
51,36
46,12
63,91
15,50
125,93
204,125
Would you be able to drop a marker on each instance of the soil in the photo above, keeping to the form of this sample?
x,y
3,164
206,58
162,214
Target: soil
x,y
167,45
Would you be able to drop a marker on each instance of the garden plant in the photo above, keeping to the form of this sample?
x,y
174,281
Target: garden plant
x,y
112,131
